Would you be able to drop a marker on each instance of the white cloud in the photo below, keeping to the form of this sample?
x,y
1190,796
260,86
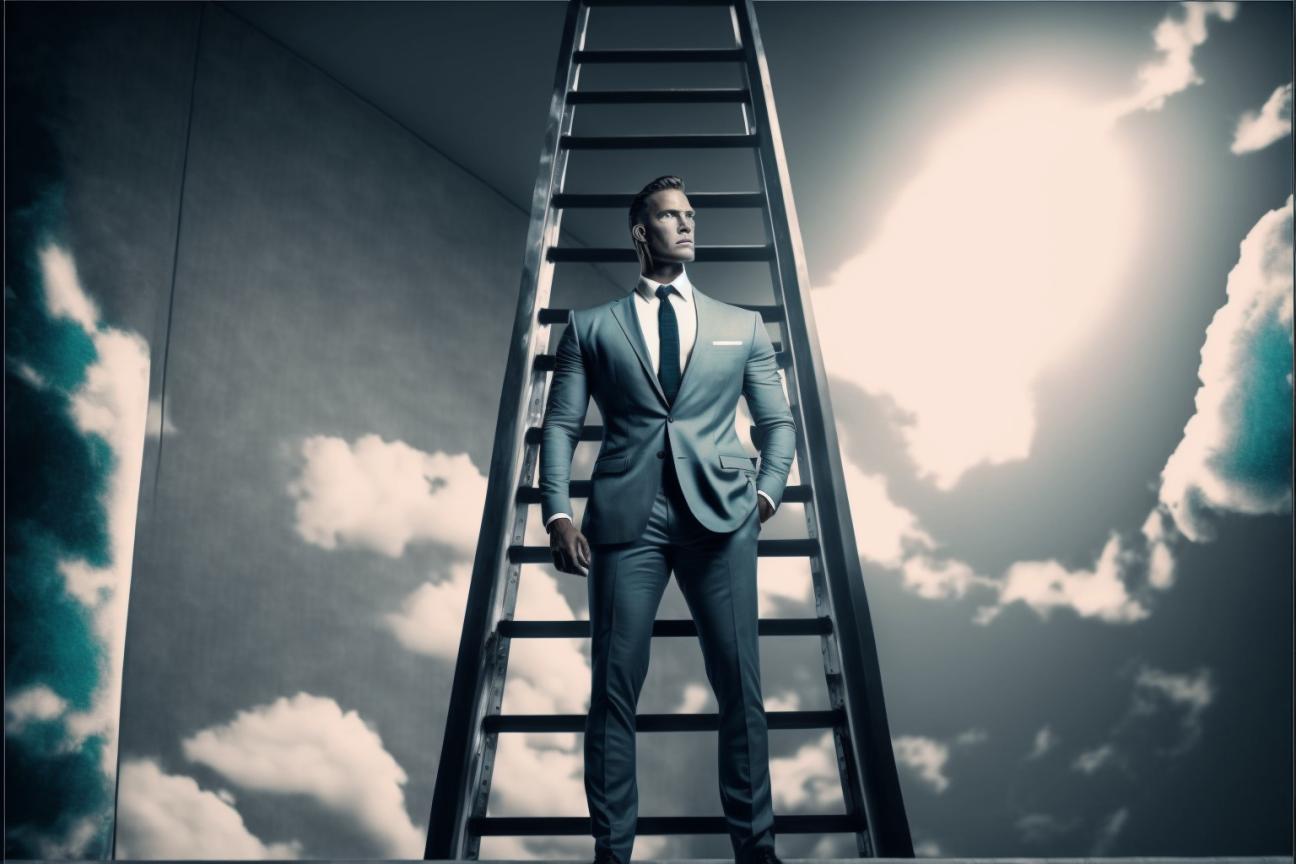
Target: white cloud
x,y
807,778
535,780
544,675
164,816
552,672
1047,585
1192,694
73,842
787,579
698,698
1045,740
306,745
64,296
1235,455
926,757
1091,760
1172,72
928,849
896,539
829,847
788,700
38,703
111,404
535,774
431,618
27,373
159,420
1256,131
383,496
1154,691
965,265
563,848
935,579
543,774
1158,532
1041,827
1109,830
890,535
884,531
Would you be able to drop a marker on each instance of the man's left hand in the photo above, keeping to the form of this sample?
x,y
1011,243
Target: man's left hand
x,y
766,509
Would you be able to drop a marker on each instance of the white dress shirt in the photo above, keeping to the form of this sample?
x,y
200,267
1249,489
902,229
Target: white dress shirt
x,y
646,305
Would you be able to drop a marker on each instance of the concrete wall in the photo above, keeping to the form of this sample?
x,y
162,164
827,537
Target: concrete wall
x,y
261,261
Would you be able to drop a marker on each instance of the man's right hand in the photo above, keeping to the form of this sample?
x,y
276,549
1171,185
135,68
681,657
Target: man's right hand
x,y
571,551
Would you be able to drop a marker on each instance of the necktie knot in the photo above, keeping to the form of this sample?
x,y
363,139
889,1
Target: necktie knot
x,y
663,291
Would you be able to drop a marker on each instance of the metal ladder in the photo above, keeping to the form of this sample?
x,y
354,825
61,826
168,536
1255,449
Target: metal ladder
x,y
857,716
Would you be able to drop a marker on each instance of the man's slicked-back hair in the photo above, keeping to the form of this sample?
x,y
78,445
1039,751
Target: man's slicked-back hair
x,y
639,206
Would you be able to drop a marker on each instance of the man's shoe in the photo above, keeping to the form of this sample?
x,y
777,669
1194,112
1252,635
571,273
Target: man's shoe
x,y
605,856
764,855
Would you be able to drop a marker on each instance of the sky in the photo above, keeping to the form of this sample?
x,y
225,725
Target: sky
x,y
1050,252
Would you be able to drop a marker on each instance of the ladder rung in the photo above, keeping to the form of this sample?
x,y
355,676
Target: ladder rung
x,y
657,142
662,628
623,3
581,489
640,97
616,255
553,316
767,313
588,433
764,549
623,200
576,826
661,55
658,722
548,362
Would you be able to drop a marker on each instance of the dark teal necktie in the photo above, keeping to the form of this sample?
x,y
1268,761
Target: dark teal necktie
x,y
668,330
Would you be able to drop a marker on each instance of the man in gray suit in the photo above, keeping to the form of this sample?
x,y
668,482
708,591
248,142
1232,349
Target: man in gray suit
x,y
672,491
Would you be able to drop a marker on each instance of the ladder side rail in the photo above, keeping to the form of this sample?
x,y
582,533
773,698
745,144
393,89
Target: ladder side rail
x,y
861,672
851,781
461,765
852,790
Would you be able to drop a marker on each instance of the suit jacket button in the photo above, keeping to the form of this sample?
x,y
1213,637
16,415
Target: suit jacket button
x,y
670,419
661,454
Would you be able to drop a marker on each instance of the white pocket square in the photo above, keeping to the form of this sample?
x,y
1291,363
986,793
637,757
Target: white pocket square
x,y
727,342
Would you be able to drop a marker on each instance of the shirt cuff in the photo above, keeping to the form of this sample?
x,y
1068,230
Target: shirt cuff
x,y
556,516
773,506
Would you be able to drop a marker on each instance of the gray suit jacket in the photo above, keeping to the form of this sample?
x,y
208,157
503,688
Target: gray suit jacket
x,y
602,354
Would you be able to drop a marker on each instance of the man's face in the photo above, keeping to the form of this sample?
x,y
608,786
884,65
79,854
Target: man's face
x,y
668,231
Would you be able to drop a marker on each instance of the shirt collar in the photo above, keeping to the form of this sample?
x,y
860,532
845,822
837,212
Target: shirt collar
x,y
647,288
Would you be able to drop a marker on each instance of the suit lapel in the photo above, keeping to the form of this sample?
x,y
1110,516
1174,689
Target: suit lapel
x,y
626,315
701,344
624,312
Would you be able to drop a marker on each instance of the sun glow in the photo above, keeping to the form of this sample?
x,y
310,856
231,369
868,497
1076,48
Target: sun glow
x,y
997,258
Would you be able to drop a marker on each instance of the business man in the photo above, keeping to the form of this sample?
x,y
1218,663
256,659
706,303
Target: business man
x,y
672,490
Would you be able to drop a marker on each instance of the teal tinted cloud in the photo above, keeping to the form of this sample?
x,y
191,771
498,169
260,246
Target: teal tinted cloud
x,y
73,389
1235,455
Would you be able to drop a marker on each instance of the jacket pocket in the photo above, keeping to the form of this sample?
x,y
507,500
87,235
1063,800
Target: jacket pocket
x,y
611,465
728,347
743,462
